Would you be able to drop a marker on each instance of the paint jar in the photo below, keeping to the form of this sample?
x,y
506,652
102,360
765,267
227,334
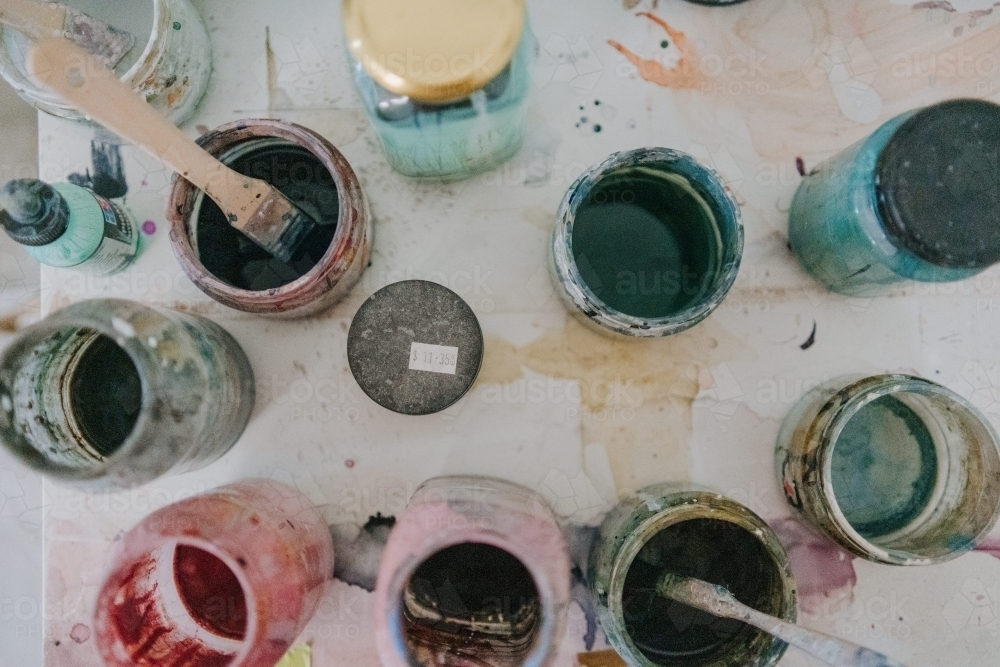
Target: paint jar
x,y
111,394
444,83
692,532
894,468
916,200
230,577
647,243
475,572
169,65
415,347
313,174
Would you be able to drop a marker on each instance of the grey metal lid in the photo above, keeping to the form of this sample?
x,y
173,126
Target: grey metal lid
x,y
415,347
938,184
34,213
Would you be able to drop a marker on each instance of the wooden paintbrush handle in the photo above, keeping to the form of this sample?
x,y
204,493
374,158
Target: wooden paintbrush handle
x,y
33,18
63,67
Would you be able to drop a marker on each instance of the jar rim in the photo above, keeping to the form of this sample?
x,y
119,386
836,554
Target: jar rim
x,y
834,415
583,299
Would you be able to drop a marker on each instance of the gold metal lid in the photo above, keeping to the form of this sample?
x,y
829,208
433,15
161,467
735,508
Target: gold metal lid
x,y
433,50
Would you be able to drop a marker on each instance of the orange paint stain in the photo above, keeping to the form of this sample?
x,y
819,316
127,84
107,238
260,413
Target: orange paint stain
x,y
683,75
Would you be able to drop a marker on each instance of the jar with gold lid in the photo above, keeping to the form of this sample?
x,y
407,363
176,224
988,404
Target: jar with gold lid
x,y
445,82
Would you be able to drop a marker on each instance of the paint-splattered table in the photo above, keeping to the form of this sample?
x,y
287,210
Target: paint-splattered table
x,y
759,91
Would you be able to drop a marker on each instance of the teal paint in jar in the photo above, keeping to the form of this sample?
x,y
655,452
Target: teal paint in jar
x,y
647,243
894,468
64,225
917,200
444,83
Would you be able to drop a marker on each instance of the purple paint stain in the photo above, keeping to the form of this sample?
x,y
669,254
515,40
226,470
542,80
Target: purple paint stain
x,y
149,228
991,547
800,165
823,571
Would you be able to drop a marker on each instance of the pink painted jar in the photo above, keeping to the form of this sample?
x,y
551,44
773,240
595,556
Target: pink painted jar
x,y
475,573
230,577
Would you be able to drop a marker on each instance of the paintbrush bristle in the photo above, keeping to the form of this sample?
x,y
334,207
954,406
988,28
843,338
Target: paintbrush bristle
x,y
279,226
105,42
716,600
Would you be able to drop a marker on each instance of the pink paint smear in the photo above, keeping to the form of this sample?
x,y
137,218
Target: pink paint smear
x,y
823,571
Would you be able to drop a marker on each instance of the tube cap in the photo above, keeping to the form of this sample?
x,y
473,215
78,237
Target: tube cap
x,y
415,347
34,213
937,184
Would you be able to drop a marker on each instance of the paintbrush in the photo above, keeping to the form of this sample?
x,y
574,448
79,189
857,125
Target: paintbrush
x,y
252,206
718,601
38,20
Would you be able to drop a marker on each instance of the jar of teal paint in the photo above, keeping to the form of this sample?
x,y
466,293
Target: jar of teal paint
x,y
693,532
894,468
64,225
917,200
444,83
647,243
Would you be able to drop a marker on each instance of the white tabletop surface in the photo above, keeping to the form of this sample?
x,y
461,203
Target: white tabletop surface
x,y
579,417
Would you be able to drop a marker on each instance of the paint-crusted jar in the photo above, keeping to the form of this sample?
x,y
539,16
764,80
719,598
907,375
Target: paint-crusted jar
x,y
444,83
475,572
894,468
308,170
111,394
647,243
692,532
230,577
169,65
916,200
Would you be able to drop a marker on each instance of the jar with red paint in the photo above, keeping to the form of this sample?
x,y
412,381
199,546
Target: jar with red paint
x,y
230,577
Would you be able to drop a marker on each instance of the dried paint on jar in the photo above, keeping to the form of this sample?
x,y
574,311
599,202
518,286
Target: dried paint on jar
x,y
110,394
312,173
169,65
895,468
647,243
693,533
230,577
914,201
475,571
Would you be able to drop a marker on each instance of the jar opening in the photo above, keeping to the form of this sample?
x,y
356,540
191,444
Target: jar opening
x,y
647,241
178,602
909,473
232,257
473,601
714,550
76,398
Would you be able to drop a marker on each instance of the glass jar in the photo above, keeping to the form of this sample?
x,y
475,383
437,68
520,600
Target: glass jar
x,y
916,200
169,66
475,571
692,532
111,394
230,577
313,174
647,243
445,84
894,468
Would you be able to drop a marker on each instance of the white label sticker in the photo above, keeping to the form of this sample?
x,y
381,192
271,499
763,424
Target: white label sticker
x,y
433,358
